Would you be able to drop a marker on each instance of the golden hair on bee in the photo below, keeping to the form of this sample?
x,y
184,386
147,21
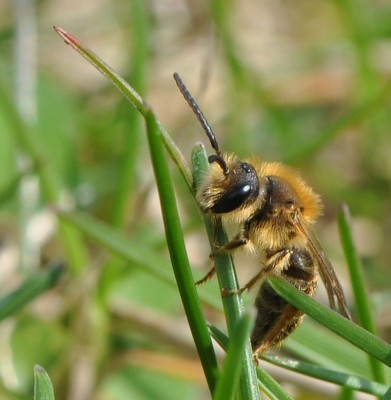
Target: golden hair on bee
x,y
214,184
274,210
312,204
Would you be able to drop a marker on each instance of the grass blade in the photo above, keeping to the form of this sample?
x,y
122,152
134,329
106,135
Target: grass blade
x,y
363,307
179,260
43,389
312,343
131,95
329,375
139,52
267,384
51,183
353,333
30,289
229,379
387,395
132,250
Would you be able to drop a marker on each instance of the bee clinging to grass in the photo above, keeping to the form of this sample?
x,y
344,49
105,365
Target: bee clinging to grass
x,y
274,210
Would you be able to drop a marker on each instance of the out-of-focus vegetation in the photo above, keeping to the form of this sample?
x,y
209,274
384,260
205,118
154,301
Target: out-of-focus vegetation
x,y
306,83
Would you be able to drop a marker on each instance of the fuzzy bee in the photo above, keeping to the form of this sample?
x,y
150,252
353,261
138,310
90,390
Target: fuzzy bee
x,y
274,210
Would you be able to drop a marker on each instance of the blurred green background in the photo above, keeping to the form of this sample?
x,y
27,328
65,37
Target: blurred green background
x,y
303,82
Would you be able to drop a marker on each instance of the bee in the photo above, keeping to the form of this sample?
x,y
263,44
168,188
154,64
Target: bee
x,y
274,210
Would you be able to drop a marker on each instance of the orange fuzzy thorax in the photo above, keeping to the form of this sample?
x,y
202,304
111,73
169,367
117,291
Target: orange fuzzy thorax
x,y
312,204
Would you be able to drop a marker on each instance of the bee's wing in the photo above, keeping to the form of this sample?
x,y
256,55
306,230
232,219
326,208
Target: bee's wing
x,y
326,270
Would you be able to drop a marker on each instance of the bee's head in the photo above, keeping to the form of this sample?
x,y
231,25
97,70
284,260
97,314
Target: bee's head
x,y
230,184
223,192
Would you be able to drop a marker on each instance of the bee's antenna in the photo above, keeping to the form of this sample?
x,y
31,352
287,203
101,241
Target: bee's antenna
x,y
218,157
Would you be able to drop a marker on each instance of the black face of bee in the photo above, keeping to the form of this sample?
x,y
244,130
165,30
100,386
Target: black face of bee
x,y
242,186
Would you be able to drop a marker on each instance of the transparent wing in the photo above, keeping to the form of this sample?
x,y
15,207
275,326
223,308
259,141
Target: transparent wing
x,y
326,270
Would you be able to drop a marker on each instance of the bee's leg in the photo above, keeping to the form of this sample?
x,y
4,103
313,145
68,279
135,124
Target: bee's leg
x,y
276,261
255,360
249,284
232,245
216,226
241,239
208,276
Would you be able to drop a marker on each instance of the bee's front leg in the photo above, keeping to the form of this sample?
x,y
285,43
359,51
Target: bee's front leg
x,y
241,239
235,243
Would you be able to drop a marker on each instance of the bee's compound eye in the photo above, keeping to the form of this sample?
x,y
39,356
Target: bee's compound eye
x,y
233,199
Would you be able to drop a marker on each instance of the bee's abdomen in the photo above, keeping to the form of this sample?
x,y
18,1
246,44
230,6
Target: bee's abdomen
x,y
276,318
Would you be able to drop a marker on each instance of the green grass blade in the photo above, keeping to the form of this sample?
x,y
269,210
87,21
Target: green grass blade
x,y
30,289
325,374
387,395
11,188
353,333
43,389
271,387
361,298
51,183
329,375
229,378
131,95
128,249
139,51
312,342
226,275
267,384
346,394
105,69
179,259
